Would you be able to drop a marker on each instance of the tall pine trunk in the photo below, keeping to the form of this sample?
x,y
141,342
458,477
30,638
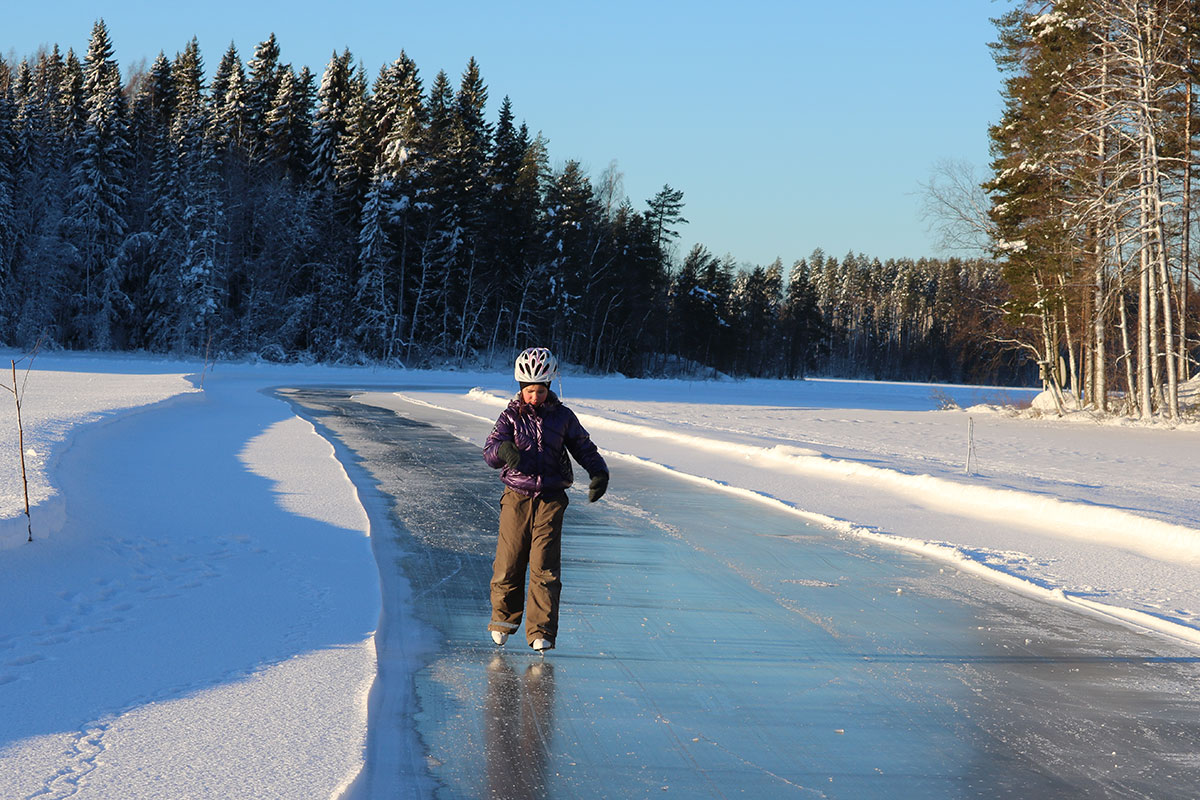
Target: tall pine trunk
x,y
1131,393
1185,248
1101,232
1143,360
1163,281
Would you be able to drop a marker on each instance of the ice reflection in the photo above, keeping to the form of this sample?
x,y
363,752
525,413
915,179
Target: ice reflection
x,y
518,718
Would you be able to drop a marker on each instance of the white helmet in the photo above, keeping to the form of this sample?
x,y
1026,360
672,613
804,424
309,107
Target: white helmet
x,y
536,365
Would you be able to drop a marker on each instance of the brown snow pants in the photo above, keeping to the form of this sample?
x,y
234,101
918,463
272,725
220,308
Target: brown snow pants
x,y
530,536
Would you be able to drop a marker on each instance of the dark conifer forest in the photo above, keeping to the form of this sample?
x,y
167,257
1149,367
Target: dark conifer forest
x,y
269,212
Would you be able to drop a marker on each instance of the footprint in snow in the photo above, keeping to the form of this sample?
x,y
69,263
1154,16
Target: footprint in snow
x,y
52,640
24,661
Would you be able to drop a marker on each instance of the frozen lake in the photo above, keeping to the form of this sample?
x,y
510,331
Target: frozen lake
x,y
711,646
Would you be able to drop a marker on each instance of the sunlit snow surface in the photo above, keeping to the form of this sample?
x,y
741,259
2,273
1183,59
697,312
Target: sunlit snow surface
x,y
201,589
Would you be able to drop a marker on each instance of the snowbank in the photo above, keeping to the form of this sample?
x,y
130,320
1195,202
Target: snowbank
x,y
194,617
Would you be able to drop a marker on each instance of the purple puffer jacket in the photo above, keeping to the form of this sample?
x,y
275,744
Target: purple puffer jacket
x,y
544,434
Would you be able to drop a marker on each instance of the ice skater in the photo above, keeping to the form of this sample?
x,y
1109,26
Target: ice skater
x,y
529,445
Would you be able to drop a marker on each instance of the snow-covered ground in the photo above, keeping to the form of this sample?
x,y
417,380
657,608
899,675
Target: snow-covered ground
x,y
195,616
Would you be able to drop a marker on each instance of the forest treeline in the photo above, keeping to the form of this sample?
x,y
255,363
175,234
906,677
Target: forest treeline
x,y
1090,202
271,213
265,212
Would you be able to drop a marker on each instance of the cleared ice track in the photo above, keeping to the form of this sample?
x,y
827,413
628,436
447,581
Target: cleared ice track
x,y
713,647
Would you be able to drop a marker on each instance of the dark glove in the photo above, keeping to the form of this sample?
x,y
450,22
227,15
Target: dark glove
x,y
597,487
509,452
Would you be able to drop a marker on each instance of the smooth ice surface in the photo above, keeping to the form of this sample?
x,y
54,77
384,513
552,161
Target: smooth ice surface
x,y
710,646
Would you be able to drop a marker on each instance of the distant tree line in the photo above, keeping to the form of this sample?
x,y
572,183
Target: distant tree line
x,y
899,319
264,212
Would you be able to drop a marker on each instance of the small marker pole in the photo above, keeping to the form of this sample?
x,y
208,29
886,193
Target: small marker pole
x,y
970,443
21,446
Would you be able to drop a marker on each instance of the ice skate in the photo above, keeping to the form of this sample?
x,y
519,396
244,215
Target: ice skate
x,y
542,645
499,637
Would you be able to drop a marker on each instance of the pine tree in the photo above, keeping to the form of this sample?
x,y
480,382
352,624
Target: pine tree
x,y
72,113
440,239
228,114
664,211
153,108
572,213
187,74
150,123
201,274
756,300
379,322
265,77
401,120
439,141
332,117
1029,193
801,323
391,219
718,280
8,233
356,150
233,141
511,215
693,312
628,322
36,286
471,143
98,195
473,288
188,283
329,280
289,125
527,288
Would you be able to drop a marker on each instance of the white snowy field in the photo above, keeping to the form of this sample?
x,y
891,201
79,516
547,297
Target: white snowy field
x,y
195,616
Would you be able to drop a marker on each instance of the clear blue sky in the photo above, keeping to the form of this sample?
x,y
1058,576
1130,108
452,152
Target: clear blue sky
x,y
788,125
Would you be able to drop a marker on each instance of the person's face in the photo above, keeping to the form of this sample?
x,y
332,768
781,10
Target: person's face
x,y
534,394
